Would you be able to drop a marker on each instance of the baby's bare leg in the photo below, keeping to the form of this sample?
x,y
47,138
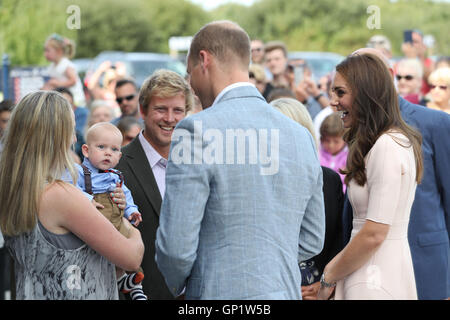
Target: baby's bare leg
x,y
119,272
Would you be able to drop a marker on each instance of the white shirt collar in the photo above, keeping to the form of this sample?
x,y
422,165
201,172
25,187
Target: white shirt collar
x,y
152,155
230,87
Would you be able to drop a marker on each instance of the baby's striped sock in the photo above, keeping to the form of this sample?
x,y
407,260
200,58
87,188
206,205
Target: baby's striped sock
x,y
131,283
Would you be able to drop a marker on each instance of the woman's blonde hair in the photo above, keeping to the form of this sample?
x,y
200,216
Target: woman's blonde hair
x,y
65,44
36,152
440,75
295,110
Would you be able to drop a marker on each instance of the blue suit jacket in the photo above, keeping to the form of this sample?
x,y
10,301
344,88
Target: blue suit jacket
x,y
229,229
428,232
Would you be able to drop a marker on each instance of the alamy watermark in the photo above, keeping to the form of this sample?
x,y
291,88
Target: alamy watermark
x,y
74,20
232,147
374,20
373,277
74,279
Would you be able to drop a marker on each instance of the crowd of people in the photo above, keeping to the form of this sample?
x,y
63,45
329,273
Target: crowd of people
x,y
134,192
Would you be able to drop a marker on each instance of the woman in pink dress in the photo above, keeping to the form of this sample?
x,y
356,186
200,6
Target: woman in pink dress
x,y
383,168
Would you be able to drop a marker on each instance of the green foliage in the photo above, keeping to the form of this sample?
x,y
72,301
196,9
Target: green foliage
x,y
174,18
339,26
147,25
25,25
114,25
131,25
135,25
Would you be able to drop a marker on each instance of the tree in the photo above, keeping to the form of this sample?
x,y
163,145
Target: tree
x,y
339,26
147,25
135,25
25,25
115,25
132,25
175,18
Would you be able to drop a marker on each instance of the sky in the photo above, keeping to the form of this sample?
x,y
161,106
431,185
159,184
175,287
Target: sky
x,y
212,4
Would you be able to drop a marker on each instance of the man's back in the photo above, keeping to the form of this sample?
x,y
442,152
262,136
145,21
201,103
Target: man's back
x,y
428,228
245,215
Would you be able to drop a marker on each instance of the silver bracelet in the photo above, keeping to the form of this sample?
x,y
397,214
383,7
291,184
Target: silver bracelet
x,y
325,284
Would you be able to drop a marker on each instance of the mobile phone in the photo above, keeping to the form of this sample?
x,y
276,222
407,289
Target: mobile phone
x,y
298,74
407,36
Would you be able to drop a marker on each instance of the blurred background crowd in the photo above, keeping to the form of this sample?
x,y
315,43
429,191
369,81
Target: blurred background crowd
x,y
295,46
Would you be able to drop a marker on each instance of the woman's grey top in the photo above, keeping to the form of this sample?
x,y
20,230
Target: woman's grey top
x,y
44,271
67,241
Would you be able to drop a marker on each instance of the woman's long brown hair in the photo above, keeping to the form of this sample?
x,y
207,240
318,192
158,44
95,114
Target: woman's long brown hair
x,y
375,110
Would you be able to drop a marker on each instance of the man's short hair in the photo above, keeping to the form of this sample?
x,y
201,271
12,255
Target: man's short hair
x,y
6,105
123,82
273,45
224,40
165,84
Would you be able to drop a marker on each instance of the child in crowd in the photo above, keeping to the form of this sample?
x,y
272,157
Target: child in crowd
x,y
62,72
333,149
96,177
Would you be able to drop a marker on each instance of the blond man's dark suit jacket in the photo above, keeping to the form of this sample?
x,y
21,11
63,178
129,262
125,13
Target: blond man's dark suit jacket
x,y
139,178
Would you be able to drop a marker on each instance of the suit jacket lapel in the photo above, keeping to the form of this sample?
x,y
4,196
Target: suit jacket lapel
x,y
143,172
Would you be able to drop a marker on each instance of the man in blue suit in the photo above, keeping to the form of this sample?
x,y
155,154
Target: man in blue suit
x,y
243,201
428,232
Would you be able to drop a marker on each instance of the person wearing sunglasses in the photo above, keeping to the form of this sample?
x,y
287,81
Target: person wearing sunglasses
x,y
417,49
127,98
408,76
257,49
440,90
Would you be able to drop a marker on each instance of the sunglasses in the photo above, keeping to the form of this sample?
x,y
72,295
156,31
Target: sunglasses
x,y
439,87
128,98
407,77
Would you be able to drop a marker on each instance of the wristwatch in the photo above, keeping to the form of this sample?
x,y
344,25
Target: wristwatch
x,y
325,284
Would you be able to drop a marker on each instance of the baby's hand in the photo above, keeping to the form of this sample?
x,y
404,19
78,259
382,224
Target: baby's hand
x,y
135,218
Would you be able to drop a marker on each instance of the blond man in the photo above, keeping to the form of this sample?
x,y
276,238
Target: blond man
x,y
164,99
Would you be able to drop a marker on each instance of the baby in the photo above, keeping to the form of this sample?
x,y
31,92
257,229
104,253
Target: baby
x,y
97,177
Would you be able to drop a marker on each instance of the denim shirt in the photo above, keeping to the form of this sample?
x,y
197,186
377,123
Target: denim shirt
x,y
105,182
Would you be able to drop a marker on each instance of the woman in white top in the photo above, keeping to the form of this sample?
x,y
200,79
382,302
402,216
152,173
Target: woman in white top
x,y
383,168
